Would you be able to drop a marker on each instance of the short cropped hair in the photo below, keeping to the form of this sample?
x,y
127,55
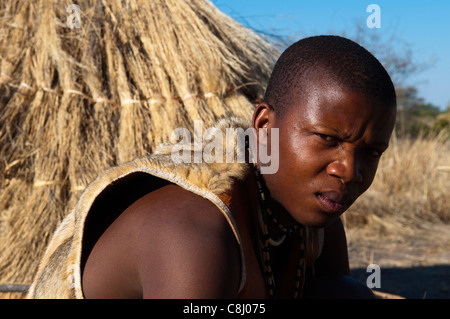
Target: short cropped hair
x,y
335,57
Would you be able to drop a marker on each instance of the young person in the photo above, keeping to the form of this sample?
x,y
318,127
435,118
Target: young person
x,y
159,228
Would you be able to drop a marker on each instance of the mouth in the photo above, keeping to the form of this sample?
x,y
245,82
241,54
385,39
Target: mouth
x,y
333,202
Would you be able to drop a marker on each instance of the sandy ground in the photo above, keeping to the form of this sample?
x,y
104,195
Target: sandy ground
x,y
414,266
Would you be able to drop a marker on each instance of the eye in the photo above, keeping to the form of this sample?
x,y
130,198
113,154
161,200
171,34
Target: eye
x,y
328,139
374,152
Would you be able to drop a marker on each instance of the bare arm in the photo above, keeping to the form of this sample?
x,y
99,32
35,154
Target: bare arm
x,y
334,257
169,244
191,252
332,269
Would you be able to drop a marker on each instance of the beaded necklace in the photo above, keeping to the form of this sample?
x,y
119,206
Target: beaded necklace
x,y
266,242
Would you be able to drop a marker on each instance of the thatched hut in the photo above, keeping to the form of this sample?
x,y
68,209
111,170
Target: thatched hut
x,y
87,86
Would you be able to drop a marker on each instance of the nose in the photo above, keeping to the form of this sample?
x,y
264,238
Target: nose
x,y
346,167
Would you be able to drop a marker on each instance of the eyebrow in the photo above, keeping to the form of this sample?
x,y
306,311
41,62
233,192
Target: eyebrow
x,y
381,144
337,131
342,136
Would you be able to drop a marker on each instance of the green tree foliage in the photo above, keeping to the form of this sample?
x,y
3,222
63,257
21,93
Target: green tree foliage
x,y
416,116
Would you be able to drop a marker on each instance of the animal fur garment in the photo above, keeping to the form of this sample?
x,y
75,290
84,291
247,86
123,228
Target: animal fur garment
x,y
59,274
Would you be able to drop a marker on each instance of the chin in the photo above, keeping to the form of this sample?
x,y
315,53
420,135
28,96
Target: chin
x,y
318,219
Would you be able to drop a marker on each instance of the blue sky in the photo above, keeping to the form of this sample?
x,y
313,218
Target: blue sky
x,y
424,25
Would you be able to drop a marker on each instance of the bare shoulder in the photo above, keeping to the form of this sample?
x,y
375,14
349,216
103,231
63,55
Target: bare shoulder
x,y
186,246
176,244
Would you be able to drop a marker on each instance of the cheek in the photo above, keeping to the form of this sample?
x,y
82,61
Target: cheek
x,y
305,157
369,172
301,162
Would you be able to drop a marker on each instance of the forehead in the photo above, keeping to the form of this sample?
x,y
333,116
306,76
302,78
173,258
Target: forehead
x,y
329,104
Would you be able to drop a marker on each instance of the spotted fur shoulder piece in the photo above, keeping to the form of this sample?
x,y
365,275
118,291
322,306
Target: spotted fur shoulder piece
x,y
59,272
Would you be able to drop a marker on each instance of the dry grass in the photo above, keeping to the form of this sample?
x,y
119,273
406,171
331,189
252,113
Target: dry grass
x,y
75,101
411,189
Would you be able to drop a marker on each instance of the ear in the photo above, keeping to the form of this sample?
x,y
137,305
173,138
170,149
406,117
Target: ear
x,y
263,118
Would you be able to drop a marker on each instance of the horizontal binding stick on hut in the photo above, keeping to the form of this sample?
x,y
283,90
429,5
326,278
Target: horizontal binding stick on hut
x,y
14,288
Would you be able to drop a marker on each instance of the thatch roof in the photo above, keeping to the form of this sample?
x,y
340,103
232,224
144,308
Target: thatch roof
x,y
74,101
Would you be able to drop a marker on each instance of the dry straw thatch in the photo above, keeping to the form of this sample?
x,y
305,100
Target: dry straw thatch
x,y
74,101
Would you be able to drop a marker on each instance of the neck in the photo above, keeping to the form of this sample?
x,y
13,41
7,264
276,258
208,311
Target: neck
x,y
245,197
281,215
276,215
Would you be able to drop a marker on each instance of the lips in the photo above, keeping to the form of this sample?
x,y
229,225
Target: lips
x,y
333,202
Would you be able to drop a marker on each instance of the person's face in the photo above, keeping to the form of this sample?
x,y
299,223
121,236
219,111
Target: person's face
x,y
330,142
